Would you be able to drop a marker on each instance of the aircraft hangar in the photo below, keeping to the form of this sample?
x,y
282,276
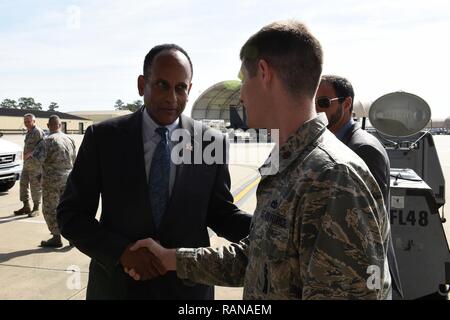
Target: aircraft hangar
x,y
221,103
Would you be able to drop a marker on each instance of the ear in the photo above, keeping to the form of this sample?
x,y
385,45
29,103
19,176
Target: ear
x,y
190,87
265,72
141,85
347,104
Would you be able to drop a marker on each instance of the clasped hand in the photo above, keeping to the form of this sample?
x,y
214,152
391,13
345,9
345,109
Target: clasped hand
x,y
147,259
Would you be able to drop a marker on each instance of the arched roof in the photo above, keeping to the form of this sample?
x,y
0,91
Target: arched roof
x,y
214,103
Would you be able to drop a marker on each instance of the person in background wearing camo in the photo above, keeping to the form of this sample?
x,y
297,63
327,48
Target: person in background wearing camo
x,y
320,228
32,173
57,154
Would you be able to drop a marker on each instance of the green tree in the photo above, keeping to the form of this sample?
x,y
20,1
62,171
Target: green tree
x,y
29,104
136,105
53,106
119,105
9,104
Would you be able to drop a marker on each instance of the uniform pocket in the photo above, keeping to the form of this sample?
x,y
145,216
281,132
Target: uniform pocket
x,y
277,242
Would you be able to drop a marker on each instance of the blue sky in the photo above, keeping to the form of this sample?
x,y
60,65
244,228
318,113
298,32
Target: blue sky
x,y
87,54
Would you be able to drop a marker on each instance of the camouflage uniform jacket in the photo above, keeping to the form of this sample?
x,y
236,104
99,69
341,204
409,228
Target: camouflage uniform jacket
x,y
319,230
32,139
57,154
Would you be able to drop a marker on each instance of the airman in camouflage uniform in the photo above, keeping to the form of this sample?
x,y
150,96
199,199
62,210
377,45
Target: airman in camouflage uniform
x,y
57,154
32,172
320,228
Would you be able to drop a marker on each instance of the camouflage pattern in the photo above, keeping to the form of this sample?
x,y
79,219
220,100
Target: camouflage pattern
x,y
32,172
319,227
56,153
31,179
32,139
50,196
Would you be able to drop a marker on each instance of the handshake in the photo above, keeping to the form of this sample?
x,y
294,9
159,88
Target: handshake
x,y
147,259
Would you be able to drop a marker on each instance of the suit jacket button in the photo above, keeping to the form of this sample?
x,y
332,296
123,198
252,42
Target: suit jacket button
x,y
274,204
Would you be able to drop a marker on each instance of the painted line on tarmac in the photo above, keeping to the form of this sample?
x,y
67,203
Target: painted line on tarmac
x,y
246,190
251,194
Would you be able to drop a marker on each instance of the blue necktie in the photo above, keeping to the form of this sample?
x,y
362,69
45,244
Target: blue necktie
x,y
159,176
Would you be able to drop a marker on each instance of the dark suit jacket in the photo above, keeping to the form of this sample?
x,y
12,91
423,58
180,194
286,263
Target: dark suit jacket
x,y
368,148
110,164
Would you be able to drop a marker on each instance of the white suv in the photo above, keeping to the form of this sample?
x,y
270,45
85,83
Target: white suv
x,y
11,162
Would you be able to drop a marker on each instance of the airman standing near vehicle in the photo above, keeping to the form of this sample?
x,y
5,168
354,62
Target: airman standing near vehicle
x,y
32,172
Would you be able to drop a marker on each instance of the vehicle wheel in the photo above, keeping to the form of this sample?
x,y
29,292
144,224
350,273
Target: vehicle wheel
x,y
6,186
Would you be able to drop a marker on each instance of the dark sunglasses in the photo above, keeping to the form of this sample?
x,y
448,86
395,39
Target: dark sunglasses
x,y
325,102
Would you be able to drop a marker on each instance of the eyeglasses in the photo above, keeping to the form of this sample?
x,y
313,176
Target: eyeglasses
x,y
325,102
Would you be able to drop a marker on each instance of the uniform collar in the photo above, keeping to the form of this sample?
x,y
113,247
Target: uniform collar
x,y
305,135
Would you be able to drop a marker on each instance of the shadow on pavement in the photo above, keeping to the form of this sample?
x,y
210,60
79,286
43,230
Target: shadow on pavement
x,y
4,257
12,218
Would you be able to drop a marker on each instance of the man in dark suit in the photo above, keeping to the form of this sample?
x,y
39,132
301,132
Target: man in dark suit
x,y
335,97
145,193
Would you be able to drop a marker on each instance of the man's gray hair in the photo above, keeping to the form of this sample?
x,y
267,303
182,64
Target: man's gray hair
x,y
30,115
